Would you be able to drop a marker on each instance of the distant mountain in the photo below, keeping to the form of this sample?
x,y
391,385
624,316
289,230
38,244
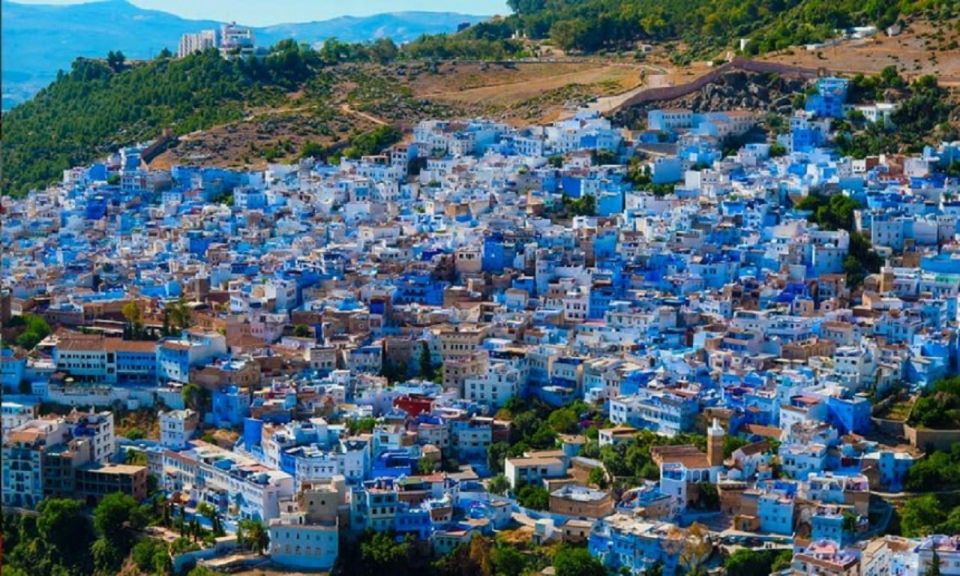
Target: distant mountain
x,y
39,39
399,26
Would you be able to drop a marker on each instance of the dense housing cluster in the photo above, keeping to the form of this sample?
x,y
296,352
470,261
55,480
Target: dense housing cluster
x,y
629,339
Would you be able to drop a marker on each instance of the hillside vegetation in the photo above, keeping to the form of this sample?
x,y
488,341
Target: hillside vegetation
x,y
706,25
43,38
299,98
94,108
101,105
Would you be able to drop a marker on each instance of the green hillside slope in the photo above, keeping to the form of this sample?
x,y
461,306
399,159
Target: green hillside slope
x,y
705,25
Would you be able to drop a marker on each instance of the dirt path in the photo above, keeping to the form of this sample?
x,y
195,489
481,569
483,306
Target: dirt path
x,y
348,110
605,104
512,87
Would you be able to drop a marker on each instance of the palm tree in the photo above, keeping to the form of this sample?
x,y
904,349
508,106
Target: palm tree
x,y
252,535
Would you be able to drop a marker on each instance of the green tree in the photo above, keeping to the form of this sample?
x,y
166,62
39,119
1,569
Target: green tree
x,y
498,484
192,395
585,205
598,477
118,519
570,561
35,330
782,561
135,457
133,312
563,420
849,522
833,212
372,142
533,496
751,562
508,561
116,60
182,545
709,498
939,406
426,365
252,535
302,331
921,516
313,150
363,425
731,444
207,511
179,314
151,555
861,260
393,371
66,534
380,554
496,454
603,157
426,466
107,557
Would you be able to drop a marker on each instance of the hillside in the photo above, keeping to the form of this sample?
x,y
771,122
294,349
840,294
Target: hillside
x,y
245,113
701,28
94,108
926,47
40,39
299,99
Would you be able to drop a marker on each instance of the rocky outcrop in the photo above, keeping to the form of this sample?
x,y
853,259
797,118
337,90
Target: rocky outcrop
x,y
732,90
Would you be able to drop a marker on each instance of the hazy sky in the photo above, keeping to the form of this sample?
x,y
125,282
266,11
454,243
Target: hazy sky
x,y
265,12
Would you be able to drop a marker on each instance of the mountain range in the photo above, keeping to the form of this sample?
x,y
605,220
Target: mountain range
x,y
40,39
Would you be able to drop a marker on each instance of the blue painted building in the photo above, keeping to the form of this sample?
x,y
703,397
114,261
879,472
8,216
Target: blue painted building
x,y
231,407
830,97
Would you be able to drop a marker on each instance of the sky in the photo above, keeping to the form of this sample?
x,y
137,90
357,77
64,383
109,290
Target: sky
x,y
267,12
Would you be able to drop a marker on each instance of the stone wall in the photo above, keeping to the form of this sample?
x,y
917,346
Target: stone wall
x,y
674,92
924,437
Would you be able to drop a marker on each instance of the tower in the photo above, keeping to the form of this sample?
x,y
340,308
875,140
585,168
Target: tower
x,y
715,435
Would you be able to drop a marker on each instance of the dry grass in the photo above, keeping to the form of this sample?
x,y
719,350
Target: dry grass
x,y
923,48
520,93
899,410
501,86
240,144
518,536
145,420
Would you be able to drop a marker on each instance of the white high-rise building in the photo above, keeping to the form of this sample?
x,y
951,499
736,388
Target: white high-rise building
x,y
197,42
235,40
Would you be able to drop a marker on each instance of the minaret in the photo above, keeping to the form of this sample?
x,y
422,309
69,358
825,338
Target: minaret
x,y
715,435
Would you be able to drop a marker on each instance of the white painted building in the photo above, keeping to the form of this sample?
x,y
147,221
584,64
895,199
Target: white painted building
x,y
495,386
177,427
